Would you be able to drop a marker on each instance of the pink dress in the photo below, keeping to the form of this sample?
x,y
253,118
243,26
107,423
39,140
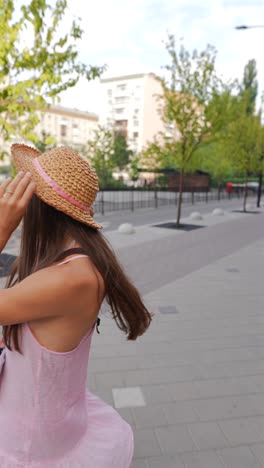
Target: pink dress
x,y
49,419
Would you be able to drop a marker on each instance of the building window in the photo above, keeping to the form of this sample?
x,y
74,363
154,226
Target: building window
x,y
121,87
136,111
121,99
120,110
63,130
75,130
109,92
135,123
135,135
121,123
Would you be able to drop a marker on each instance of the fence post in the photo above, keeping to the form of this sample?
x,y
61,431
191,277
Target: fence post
x,y
156,197
132,200
102,203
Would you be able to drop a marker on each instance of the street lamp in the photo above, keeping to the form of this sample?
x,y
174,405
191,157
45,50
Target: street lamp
x,y
243,26
249,27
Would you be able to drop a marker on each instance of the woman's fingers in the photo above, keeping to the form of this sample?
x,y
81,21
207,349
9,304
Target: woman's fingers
x,y
15,182
25,199
13,203
4,186
21,186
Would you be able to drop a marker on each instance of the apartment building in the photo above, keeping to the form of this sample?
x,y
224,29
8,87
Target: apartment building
x,y
70,127
130,103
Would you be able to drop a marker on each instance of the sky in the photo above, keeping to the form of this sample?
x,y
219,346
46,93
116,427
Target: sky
x,y
128,36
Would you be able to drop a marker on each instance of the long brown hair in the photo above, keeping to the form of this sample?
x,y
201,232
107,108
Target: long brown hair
x,y
43,232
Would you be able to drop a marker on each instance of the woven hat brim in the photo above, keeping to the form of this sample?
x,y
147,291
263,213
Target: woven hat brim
x,y
23,156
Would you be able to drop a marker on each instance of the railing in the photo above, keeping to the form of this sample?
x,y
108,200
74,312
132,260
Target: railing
x,y
132,199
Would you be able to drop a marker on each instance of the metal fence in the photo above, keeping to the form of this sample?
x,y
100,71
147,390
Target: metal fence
x,y
133,199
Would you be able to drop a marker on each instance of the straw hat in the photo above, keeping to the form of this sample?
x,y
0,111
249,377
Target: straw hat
x,y
63,180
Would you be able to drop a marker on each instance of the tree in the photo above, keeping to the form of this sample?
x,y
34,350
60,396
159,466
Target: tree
x,y
244,138
122,154
214,155
260,150
249,87
99,151
186,96
249,91
44,143
134,168
33,75
215,159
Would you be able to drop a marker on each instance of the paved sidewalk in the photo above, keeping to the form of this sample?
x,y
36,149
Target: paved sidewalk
x,y
193,386
198,374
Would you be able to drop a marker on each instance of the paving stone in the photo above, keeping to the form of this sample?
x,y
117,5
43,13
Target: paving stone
x,y
150,416
121,363
162,375
243,430
165,461
258,451
239,457
129,397
179,412
127,415
109,380
106,395
139,464
175,439
207,435
182,391
146,443
157,394
225,408
202,460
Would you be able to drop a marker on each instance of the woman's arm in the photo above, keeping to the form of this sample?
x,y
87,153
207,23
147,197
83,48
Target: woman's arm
x,y
51,292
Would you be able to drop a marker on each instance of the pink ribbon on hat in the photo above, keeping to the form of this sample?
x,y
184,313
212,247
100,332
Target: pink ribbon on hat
x,y
57,189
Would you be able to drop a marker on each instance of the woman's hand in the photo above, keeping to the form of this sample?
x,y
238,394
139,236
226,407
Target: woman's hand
x,y
14,197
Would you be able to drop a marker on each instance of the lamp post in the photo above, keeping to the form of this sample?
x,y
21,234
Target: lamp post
x,y
242,27
249,27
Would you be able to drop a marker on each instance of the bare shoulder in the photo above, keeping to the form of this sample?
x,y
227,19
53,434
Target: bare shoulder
x,y
52,291
82,271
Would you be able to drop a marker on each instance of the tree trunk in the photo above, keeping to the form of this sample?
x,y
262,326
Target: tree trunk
x,y
245,194
219,191
259,189
180,198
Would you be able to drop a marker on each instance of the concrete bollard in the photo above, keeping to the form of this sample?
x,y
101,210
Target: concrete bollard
x,y
218,212
126,228
196,216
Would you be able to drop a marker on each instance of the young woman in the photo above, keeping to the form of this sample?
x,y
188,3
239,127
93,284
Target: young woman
x,y
49,311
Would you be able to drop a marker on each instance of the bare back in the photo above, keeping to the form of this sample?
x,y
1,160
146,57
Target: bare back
x,y
63,333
